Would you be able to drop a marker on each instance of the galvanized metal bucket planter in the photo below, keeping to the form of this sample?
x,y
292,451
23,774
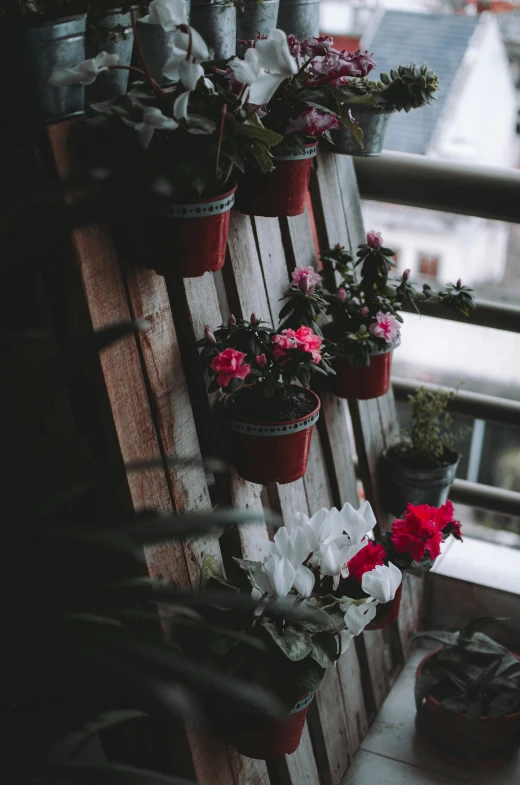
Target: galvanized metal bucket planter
x,y
402,484
373,121
113,34
156,48
256,16
300,17
54,44
215,20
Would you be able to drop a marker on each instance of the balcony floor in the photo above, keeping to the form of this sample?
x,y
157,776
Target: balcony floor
x,y
390,754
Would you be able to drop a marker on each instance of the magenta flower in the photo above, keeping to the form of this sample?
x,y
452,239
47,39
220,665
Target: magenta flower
x,y
261,360
386,326
303,339
312,122
364,311
230,364
363,61
306,278
342,295
320,45
374,240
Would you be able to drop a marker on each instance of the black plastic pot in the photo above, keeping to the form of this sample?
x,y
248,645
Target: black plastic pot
x,y
402,484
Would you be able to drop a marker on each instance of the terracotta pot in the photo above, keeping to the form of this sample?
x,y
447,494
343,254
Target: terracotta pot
x,y
187,240
265,452
387,612
282,191
446,735
268,738
370,381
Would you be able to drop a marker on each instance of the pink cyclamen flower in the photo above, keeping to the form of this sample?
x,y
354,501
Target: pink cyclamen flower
x,y
342,295
230,364
386,326
307,274
374,240
303,339
364,310
261,360
363,61
312,122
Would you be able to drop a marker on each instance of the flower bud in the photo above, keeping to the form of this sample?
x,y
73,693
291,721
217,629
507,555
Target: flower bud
x,y
374,240
231,320
364,310
254,319
208,335
261,360
304,284
342,295
378,299
406,274
459,283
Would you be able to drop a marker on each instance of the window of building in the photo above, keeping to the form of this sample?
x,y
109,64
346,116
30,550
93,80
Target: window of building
x,y
428,265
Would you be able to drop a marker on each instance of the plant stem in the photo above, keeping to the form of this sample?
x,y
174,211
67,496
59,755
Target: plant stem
x,y
220,135
159,92
137,71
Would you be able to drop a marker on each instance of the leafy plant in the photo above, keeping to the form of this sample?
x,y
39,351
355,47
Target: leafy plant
x,y
404,88
430,436
473,675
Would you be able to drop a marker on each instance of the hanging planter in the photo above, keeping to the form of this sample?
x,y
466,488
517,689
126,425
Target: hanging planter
x,y
280,192
156,47
404,483
373,121
216,22
256,16
189,239
387,613
49,46
300,17
269,738
442,722
111,33
369,381
265,452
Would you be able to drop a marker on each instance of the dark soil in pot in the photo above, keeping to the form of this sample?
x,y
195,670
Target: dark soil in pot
x,y
251,404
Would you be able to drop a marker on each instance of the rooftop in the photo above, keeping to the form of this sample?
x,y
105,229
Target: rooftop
x,y
404,37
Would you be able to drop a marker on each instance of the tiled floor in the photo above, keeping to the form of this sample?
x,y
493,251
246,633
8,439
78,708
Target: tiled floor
x,y
390,754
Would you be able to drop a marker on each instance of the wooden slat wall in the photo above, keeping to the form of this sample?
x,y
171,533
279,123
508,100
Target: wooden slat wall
x,y
160,408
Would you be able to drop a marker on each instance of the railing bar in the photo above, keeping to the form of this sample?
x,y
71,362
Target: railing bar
x,y
418,181
486,314
477,405
486,497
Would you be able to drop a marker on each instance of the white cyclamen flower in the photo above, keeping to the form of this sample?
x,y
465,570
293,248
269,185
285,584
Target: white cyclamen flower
x,y
264,67
180,66
153,120
275,576
84,73
294,547
167,13
356,619
357,523
382,582
195,123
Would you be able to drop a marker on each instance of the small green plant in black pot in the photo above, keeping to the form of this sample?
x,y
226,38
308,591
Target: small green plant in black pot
x,y
422,466
468,698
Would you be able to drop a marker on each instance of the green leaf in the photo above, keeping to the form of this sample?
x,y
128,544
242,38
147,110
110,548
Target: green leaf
x,y
295,644
353,127
211,570
324,649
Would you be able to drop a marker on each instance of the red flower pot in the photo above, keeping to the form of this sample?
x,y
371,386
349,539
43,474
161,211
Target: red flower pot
x,y
265,452
268,738
280,192
370,381
187,240
387,612
446,735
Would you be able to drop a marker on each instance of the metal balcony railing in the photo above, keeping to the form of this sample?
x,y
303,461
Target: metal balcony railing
x,y
485,192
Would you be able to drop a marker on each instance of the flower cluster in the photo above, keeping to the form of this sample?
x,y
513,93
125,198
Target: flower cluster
x,y
422,529
251,351
364,307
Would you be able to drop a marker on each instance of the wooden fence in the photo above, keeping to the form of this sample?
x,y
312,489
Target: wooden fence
x,y
158,407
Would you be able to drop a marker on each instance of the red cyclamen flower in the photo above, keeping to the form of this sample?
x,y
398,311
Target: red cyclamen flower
x,y
365,560
447,523
230,364
418,532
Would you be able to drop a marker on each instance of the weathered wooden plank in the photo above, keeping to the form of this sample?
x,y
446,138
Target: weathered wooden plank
x,y
349,674
244,278
301,766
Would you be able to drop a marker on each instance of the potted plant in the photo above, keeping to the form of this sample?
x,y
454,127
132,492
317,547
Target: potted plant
x,y
405,88
365,326
255,17
422,466
35,37
295,645
216,20
468,698
179,151
270,411
109,29
278,74
300,17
